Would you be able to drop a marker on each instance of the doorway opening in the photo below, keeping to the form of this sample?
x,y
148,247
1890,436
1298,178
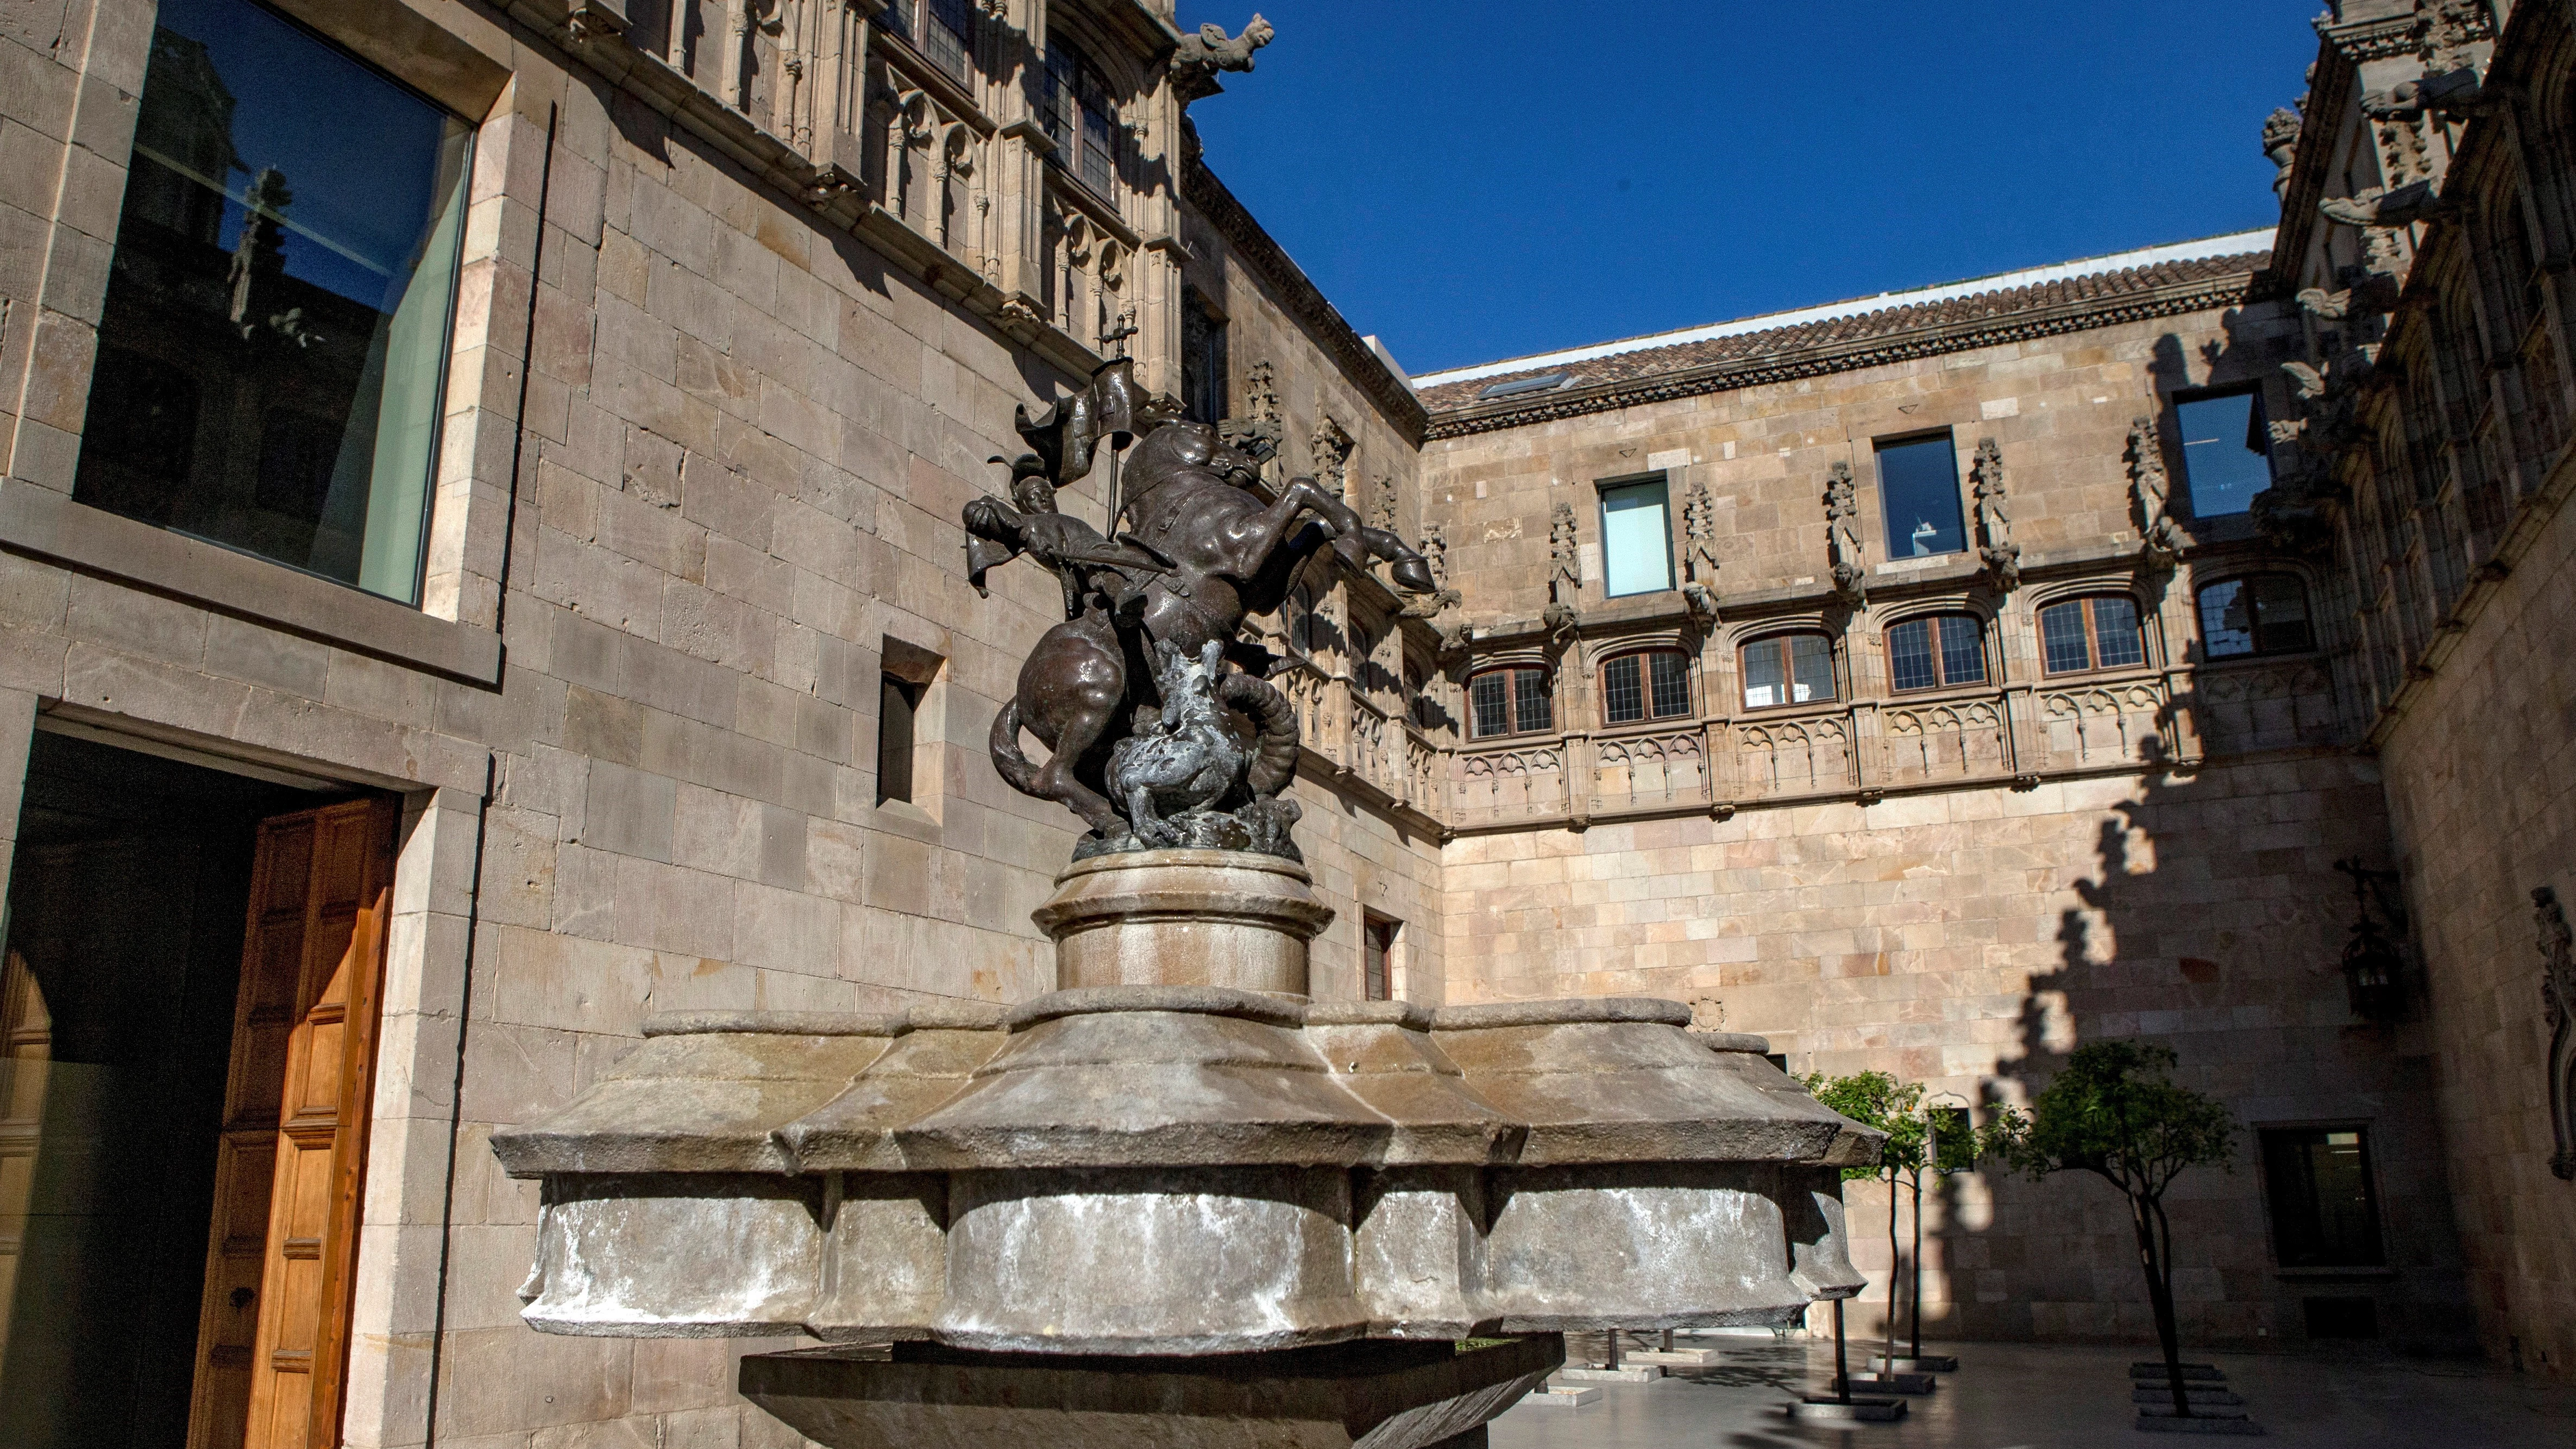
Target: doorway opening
x,y
188,1008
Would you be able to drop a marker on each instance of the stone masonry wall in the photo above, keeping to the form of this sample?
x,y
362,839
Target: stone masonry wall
x,y
748,441
1968,940
2482,787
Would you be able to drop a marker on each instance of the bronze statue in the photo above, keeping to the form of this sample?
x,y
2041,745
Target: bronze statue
x,y
1128,693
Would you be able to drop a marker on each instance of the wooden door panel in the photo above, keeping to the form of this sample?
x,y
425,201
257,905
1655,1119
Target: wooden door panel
x,y
303,1072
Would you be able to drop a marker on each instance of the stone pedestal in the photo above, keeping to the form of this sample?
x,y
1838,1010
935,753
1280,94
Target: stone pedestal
x,y
1184,918
1369,1394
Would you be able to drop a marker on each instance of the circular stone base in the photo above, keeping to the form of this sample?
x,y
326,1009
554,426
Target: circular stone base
x,y
1183,918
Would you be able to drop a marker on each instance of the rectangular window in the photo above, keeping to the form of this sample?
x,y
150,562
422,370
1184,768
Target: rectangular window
x,y
1378,970
1668,675
274,341
944,36
2097,633
1623,690
1533,708
898,703
1636,540
2226,452
1639,686
1490,699
2324,1212
1510,702
2265,614
1918,485
1079,118
1788,669
1204,384
1932,653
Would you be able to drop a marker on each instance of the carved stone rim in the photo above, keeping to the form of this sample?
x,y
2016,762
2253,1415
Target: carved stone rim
x,y
1733,1041
1405,1014
1566,1012
1204,859
1192,1000
929,1016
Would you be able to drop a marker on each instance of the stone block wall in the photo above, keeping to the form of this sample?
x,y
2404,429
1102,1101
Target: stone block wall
x,y
2481,768
1968,940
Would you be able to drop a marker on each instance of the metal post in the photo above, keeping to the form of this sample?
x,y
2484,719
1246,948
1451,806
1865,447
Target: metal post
x,y
1842,1367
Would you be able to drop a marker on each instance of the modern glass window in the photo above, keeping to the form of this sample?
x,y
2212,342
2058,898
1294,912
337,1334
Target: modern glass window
x,y
1079,117
274,343
2093,633
1510,702
1918,486
1651,685
1636,539
2264,614
2324,1212
1788,669
1941,652
2226,452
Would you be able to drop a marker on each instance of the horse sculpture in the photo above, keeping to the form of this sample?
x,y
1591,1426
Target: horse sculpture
x,y
1220,553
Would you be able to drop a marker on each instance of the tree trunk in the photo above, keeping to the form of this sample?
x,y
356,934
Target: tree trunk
x,y
1895,1271
2156,1259
1918,1266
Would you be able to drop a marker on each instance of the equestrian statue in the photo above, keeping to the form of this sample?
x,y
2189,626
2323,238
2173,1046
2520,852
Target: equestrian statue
x,y
1161,727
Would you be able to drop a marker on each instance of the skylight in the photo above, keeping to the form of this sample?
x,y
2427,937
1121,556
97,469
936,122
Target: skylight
x,y
1544,382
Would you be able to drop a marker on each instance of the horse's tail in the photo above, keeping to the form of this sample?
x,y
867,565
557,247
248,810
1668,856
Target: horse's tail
x,y
1274,758
1004,746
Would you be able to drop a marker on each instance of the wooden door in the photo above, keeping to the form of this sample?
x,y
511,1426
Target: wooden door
x,y
273,1334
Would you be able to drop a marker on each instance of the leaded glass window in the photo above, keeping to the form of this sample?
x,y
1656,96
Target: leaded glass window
x,y
1941,652
1652,685
1510,702
2263,614
2092,633
1788,669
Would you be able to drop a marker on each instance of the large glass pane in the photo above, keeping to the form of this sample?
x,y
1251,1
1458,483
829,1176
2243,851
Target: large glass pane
x,y
1490,701
1918,485
1532,709
1672,684
2226,453
2226,620
279,308
2061,637
1909,656
1623,693
2281,615
1811,665
2116,641
944,38
1963,654
1636,547
1765,674
2323,1212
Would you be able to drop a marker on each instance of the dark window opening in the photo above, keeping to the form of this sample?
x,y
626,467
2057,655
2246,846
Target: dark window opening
x,y
898,702
1942,652
1378,970
1918,485
1788,669
2264,614
1510,702
1204,385
1652,685
2226,452
1778,1059
2095,633
2324,1211
274,343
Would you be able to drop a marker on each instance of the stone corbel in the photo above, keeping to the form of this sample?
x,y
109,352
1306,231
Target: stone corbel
x,y
590,22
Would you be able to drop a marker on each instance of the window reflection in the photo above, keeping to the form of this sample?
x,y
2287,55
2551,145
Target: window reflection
x,y
275,335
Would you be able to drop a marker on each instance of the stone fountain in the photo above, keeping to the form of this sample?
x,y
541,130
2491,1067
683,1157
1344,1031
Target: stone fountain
x,y
1176,1201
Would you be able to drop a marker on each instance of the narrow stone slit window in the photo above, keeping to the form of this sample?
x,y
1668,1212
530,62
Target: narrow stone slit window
x,y
1378,967
898,706
274,344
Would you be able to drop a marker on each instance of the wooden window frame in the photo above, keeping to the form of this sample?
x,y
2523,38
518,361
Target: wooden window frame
x,y
1744,674
1646,687
1511,701
2092,634
1378,935
1940,667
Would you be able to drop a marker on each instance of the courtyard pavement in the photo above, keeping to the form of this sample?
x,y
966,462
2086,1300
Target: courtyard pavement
x,y
2032,1396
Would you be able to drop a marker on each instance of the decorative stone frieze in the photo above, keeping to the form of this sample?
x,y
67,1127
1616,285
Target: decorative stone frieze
x,y
1995,547
1847,558
2558,1005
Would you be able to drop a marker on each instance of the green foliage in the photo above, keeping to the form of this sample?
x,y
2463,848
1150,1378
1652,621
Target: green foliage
x,y
2115,1111
1875,1099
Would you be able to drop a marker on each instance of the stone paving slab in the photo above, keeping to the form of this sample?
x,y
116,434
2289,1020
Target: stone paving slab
x,y
2029,1396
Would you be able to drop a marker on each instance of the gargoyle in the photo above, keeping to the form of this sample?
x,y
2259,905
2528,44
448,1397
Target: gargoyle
x,y
2378,206
1200,57
1561,621
2364,294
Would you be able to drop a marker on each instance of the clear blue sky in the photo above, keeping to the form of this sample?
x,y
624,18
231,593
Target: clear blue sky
x,y
1473,181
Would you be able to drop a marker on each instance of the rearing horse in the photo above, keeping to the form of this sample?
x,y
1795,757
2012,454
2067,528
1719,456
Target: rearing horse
x,y
1232,555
